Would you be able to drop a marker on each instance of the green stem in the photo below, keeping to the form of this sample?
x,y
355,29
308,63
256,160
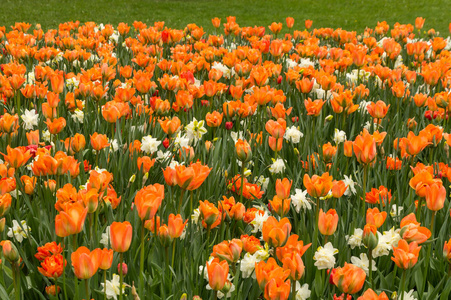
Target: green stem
x,y
173,254
365,179
141,261
121,260
418,215
243,164
56,287
403,283
315,234
180,201
64,274
104,284
16,279
370,267
87,288
293,290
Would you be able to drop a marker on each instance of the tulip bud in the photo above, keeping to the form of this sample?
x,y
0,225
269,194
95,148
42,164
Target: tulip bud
x,y
227,286
124,268
370,238
10,251
229,125
2,224
348,149
243,150
166,143
51,290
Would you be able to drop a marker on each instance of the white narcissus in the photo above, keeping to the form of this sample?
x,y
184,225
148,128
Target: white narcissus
x,y
112,287
19,232
300,201
292,134
30,119
149,144
324,257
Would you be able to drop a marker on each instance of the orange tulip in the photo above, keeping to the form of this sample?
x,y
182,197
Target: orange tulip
x,y
70,220
183,176
294,263
275,27
421,181
378,110
349,279
412,232
209,212
55,126
99,141
292,246
277,289
280,206
275,144
216,22
305,85
148,200
243,150
313,107
371,295
329,152
9,123
28,183
318,186
348,148
338,188
106,259
176,226
214,119
217,274
16,157
121,236
375,217
85,262
265,271
145,163
229,251
33,137
200,174
10,251
283,188
447,251
5,203
251,244
53,266
78,142
276,128
90,199
415,144
290,22
370,237
99,180
365,148
435,196
419,22
170,176
170,126
276,233
327,222
406,255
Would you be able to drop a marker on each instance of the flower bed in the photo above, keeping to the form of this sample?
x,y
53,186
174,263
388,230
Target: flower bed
x,y
143,162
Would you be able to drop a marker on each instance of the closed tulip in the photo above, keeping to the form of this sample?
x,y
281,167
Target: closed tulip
x,y
435,196
327,222
243,150
176,226
283,188
121,236
217,274
277,289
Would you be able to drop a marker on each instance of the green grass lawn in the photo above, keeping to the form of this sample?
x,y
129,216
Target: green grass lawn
x,y
350,15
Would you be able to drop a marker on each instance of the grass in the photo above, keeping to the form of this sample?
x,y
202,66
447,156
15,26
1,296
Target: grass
x,y
350,15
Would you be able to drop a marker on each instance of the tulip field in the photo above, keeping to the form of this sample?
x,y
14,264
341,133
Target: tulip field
x,y
285,161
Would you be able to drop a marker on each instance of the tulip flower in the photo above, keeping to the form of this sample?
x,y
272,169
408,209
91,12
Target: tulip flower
x,y
16,157
228,250
277,288
53,266
294,263
70,220
435,196
406,255
176,226
349,279
243,151
85,262
276,233
375,217
121,236
148,200
327,222
447,250
318,186
265,271
217,274
371,295
283,188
